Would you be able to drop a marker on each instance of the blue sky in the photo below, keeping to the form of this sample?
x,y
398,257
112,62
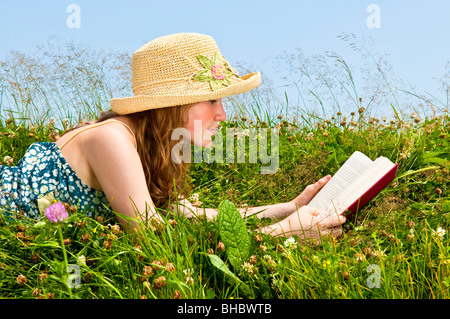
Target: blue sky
x,y
414,33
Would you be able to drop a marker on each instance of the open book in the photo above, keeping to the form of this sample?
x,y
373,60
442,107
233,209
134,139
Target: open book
x,y
357,181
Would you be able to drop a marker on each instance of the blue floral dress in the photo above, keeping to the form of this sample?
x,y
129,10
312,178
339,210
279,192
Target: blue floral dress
x,y
42,170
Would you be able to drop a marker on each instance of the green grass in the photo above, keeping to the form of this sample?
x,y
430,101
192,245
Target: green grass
x,y
395,235
395,232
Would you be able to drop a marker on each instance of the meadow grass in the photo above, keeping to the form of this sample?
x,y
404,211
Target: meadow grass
x,y
397,246
399,232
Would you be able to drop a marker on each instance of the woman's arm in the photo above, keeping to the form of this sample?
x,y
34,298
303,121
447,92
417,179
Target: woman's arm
x,y
274,211
269,211
304,222
115,162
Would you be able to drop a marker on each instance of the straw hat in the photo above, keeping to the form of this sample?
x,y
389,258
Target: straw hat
x,y
180,69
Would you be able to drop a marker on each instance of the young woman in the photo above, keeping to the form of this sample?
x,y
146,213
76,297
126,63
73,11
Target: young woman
x,y
123,160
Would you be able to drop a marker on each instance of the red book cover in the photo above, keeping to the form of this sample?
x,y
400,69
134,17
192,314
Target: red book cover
x,y
371,192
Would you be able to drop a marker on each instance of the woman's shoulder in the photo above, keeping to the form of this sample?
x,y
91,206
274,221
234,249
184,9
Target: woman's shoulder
x,y
111,131
98,132
111,144
113,158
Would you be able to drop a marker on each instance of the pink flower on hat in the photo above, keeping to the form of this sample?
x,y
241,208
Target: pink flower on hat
x,y
56,213
216,72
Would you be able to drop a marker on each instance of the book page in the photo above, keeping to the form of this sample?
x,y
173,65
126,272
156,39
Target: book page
x,y
356,165
380,167
363,183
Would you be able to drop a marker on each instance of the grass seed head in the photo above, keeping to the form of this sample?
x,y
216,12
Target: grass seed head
x,y
177,294
42,277
85,238
258,238
345,275
159,282
107,244
220,246
147,272
170,267
21,280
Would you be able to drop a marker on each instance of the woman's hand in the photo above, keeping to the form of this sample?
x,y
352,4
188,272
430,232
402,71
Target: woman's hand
x,y
307,222
309,192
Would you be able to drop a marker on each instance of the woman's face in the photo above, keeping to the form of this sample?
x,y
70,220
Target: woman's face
x,y
204,119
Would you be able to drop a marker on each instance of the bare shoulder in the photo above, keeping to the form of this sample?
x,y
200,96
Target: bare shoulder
x,y
111,137
114,160
110,150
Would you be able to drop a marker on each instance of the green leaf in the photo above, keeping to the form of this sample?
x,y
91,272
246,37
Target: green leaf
x,y
216,59
229,275
436,158
446,206
227,81
215,85
410,172
40,224
219,264
228,72
207,63
234,234
203,76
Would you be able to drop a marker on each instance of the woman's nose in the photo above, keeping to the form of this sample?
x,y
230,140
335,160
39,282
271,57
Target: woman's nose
x,y
220,112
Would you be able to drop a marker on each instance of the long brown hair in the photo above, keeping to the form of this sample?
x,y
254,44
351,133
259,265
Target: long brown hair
x,y
153,129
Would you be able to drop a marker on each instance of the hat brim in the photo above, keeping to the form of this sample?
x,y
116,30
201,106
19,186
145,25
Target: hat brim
x,y
139,103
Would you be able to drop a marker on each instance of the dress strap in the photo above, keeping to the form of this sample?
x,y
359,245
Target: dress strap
x,y
99,124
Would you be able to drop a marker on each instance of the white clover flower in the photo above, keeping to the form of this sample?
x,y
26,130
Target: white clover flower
x,y
405,154
248,267
189,272
8,160
411,234
380,253
316,259
240,132
81,260
290,243
276,284
438,233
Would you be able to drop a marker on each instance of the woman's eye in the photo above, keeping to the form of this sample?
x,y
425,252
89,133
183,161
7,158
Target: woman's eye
x,y
213,101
